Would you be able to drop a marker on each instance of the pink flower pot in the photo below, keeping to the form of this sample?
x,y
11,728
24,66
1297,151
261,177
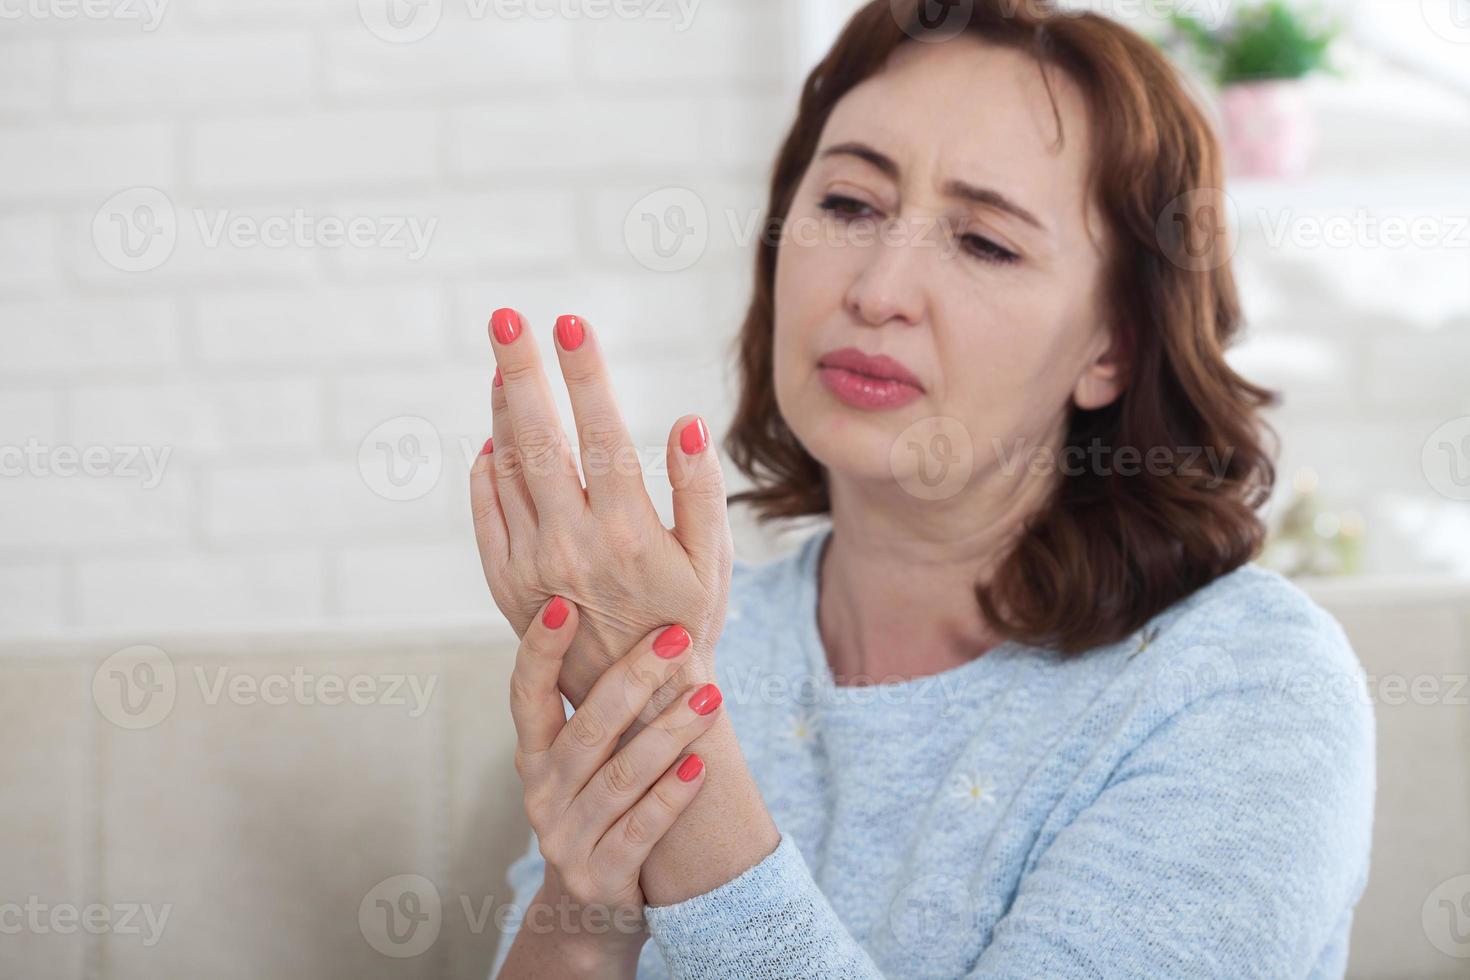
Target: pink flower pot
x,y
1269,128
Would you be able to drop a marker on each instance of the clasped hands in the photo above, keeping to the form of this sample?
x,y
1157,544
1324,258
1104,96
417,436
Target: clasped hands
x,y
616,611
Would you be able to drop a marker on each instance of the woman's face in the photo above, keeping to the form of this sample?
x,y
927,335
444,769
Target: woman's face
x,y
996,316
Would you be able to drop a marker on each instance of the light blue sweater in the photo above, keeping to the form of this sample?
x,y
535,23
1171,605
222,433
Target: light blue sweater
x,y
1193,801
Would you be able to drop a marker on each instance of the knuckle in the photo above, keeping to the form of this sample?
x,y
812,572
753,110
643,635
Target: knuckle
x,y
484,511
703,491
542,644
587,729
582,375
520,689
619,777
661,801
600,434
638,830
507,460
521,370
545,830
641,680
540,446
671,735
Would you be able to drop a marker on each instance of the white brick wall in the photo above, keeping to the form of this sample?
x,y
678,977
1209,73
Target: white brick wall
x,y
254,368
271,370
143,74
61,161
57,337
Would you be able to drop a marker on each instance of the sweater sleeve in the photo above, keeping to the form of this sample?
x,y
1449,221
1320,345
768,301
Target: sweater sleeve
x,y
1232,841
772,920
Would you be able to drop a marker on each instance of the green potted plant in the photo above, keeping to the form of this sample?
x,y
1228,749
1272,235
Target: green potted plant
x,y
1257,59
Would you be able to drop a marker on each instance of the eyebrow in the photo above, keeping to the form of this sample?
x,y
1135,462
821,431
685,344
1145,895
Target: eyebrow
x,y
984,196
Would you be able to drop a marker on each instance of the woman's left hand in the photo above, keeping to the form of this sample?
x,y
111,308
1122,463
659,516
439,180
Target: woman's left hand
x,y
604,547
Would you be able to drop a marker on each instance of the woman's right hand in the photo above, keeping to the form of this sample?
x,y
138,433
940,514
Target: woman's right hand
x,y
598,806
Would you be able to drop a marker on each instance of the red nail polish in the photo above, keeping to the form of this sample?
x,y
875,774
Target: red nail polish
x,y
498,379
556,613
505,323
671,642
705,700
489,447
569,331
692,766
694,438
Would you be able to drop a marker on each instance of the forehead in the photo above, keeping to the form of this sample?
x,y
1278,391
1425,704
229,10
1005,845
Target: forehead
x,y
974,111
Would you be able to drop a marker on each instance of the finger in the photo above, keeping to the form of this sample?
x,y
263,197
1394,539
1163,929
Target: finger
x,y
701,521
610,462
491,534
591,734
535,700
546,462
631,839
625,777
510,486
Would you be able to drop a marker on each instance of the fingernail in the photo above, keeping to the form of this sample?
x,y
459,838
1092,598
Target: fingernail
x,y
556,613
569,331
705,700
498,380
690,767
489,447
671,642
505,323
694,438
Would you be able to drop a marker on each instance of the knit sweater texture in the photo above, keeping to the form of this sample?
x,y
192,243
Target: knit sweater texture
x,y
1195,800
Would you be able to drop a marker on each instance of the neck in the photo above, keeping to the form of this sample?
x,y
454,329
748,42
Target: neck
x,y
897,577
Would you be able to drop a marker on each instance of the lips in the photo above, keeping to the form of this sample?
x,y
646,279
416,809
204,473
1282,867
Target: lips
x,y
879,366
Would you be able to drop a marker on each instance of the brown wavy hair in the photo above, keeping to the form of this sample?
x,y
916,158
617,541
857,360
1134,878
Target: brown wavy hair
x,y
1106,552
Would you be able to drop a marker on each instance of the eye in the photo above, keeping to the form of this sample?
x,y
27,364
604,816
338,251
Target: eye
x,y
987,251
845,208
849,209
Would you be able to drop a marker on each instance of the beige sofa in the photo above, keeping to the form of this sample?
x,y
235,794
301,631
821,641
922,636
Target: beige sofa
x,y
293,806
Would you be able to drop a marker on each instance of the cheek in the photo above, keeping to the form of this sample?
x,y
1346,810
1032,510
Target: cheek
x,y
810,288
1005,355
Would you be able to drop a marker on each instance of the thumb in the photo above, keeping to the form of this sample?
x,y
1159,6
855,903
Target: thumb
x,y
701,522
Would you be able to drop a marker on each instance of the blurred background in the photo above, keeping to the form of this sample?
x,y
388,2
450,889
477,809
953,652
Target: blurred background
x,y
248,251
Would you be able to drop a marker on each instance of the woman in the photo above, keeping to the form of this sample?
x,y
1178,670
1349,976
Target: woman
x,y
1024,708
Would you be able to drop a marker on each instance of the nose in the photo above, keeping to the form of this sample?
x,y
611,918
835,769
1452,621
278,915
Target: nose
x,y
888,284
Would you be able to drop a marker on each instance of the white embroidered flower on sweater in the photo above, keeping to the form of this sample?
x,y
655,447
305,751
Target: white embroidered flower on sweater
x,y
973,790
803,727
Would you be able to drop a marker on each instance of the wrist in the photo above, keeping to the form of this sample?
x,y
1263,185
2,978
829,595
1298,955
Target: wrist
x,y
587,944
